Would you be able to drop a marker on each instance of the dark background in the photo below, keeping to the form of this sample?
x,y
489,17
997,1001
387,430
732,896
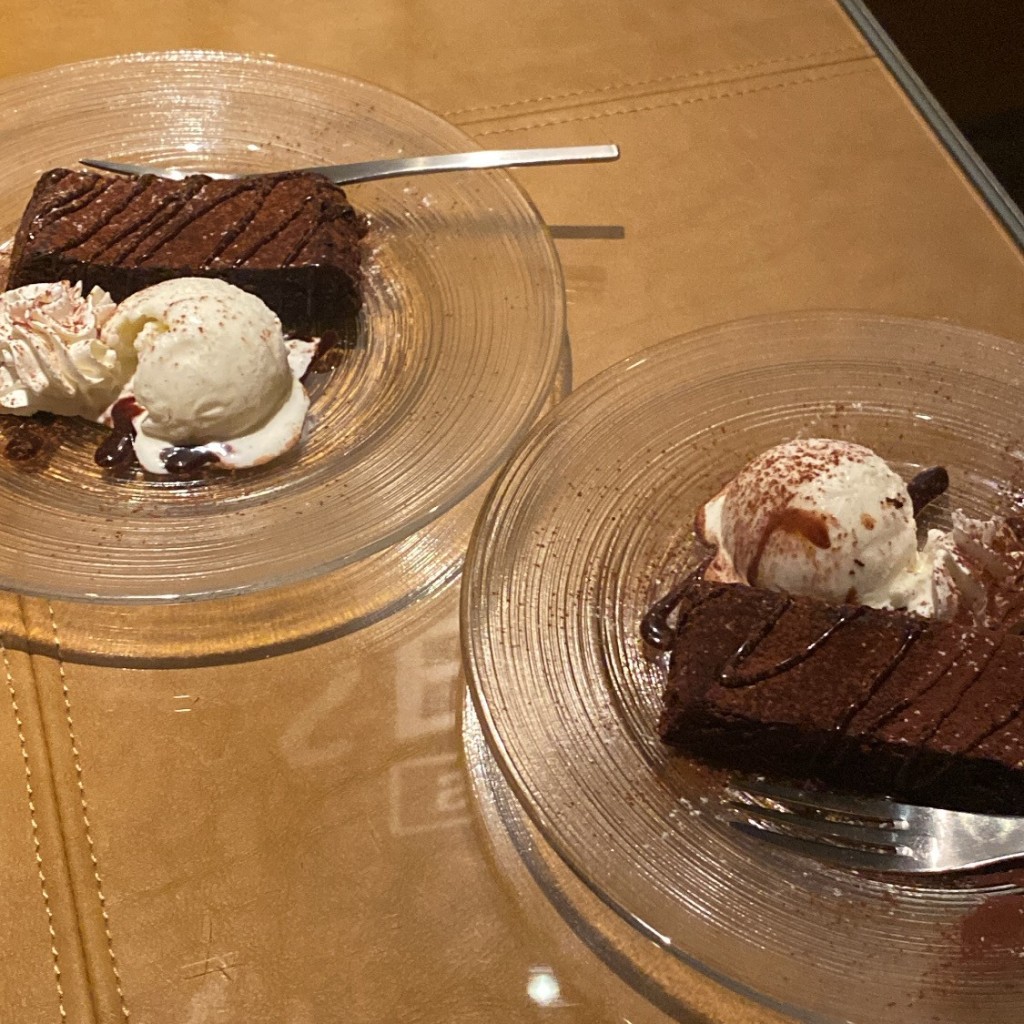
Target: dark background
x,y
970,55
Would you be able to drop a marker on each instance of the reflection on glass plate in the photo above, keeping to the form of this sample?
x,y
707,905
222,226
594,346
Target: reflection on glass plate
x,y
455,354
592,521
665,987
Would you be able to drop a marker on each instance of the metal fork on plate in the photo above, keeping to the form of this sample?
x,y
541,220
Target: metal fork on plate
x,y
873,835
374,170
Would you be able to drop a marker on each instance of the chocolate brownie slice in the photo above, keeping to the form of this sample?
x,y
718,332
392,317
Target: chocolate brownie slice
x,y
852,698
292,239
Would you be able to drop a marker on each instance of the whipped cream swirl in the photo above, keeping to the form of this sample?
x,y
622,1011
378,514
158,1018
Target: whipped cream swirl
x,y
52,356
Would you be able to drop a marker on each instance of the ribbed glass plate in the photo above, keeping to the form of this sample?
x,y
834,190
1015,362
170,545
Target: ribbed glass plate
x,y
456,352
592,521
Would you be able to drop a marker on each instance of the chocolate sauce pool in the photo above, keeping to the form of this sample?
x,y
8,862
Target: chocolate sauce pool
x,y
26,442
183,459
116,451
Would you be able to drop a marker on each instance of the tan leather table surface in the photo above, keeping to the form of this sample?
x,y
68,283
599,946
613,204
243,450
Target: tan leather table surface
x,y
293,839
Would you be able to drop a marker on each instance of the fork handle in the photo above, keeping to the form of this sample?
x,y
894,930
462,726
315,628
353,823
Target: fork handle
x,y
374,170
1004,842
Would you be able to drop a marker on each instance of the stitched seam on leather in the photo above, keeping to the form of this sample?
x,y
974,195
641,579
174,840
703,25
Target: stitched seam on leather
x,y
80,783
639,94
643,108
689,76
54,952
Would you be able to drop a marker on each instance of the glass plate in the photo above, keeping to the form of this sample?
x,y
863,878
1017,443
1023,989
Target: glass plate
x,y
456,350
592,521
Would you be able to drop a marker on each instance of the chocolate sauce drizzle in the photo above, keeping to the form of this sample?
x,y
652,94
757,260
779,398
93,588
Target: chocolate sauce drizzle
x,y
911,632
962,693
140,225
658,632
801,521
832,743
731,676
264,191
77,197
165,221
900,706
93,228
187,216
655,628
1005,720
149,226
260,241
944,768
910,769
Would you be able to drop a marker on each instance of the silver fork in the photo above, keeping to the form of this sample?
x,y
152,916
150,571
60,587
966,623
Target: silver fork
x,y
873,835
374,170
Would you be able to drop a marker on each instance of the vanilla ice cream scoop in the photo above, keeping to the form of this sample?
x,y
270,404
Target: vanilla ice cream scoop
x,y
52,357
212,373
825,519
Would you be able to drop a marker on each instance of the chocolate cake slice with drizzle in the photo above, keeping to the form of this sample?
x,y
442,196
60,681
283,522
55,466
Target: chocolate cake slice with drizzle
x,y
859,699
854,698
293,239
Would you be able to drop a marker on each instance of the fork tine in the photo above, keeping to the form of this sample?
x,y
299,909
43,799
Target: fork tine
x,y
848,834
869,835
116,167
172,173
815,849
108,165
874,835
832,806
